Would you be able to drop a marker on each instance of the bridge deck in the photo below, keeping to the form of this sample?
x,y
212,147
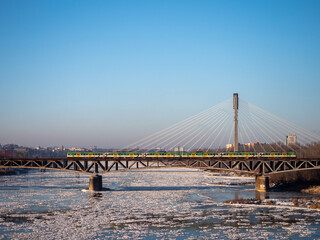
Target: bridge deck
x,y
104,165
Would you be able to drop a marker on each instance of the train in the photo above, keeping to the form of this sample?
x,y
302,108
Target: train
x,y
181,154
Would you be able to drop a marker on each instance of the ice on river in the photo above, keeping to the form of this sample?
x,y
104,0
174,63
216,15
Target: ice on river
x,y
170,203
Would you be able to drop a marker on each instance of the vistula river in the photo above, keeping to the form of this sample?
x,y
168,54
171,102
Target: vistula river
x,y
170,203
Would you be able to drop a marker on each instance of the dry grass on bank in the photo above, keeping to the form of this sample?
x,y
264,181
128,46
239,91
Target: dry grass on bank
x,y
312,190
312,203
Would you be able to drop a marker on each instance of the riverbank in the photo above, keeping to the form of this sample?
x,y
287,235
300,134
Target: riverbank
x,y
310,203
229,173
302,187
312,190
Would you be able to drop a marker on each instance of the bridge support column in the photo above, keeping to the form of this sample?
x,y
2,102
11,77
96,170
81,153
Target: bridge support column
x,y
262,183
95,183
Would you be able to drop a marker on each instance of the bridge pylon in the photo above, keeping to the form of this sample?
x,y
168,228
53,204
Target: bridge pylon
x,y
235,107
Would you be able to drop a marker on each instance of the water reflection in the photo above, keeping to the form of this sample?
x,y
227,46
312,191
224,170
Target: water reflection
x,y
236,195
262,195
95,195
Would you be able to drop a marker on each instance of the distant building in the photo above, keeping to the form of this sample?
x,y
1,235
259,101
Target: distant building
x,y
178,149
77,149
6,153
229,146
250,144
291,139
21,152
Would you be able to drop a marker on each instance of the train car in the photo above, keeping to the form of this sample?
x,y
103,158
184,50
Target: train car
x,y
271,154
71,154
227,154
136,154
199,155
237,154
192,155
185,154
125,155
182,154
244,154
266,154
128,154
196,155
174,155
156,154
85,154
162,155
212,154
112,154
291,154
278,154
241,154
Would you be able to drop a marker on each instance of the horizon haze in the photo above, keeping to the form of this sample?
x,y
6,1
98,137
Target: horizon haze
x,y
108,73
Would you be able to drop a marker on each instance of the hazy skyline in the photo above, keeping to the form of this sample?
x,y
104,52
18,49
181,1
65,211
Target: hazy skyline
x,y
107,73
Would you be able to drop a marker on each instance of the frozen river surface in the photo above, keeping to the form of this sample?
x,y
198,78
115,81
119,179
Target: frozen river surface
x,y
152,204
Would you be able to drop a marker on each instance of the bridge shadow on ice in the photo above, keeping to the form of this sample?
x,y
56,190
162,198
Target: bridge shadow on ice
x,y
160,188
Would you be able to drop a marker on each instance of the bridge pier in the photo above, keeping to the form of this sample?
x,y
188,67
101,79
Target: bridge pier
x,y
262,183
95,183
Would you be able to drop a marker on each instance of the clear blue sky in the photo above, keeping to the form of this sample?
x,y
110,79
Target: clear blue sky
x,y
106,73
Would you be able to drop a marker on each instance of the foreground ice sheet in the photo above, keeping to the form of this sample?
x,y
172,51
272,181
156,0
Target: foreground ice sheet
x,y
160,203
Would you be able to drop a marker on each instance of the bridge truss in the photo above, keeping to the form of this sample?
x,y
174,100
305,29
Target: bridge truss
x,y
254,166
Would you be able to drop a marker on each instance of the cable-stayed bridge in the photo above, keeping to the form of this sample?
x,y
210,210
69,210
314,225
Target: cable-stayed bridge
x,y
215,129
234,135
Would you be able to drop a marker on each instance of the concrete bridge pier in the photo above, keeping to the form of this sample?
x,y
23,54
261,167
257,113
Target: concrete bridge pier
x,y
95,183
262,183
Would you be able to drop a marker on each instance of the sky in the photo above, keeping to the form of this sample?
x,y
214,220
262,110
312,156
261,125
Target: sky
x,y
107,73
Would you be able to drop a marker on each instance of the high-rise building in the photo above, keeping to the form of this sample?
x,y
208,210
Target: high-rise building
x,y
291,139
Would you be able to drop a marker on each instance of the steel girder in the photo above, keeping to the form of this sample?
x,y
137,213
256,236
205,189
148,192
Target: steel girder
x,y
104,165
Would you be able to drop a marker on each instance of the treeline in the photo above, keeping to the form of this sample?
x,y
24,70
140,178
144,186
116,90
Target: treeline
x,y
311,150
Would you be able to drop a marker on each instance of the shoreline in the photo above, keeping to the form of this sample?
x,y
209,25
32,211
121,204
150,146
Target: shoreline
x,y
302,203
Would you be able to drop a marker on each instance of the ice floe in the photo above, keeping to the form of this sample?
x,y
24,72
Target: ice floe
x,y
151,204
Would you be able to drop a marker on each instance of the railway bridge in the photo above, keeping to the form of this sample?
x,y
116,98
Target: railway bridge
x,y
96,167
254,130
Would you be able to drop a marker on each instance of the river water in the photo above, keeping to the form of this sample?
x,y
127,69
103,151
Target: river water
x,y
170,203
